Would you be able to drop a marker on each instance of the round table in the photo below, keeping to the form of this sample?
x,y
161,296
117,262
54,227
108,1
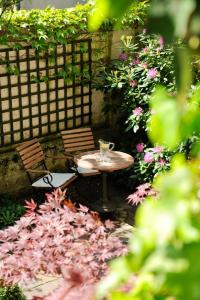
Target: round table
x,y
117,161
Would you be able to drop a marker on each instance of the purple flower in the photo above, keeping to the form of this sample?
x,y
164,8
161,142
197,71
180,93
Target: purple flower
x,y
158,149
133,83
136,61
152,73
137,111
123,56
140,147
148,157
161,41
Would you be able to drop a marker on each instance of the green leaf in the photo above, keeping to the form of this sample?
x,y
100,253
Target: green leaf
x,y
165,123
183,71
170,18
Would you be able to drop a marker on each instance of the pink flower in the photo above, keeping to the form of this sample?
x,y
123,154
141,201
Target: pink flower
x,y
162,162
148,157
161,41
137,111
133,83
123,56
144,65
152,73
158,50
145,50
158,149
140,147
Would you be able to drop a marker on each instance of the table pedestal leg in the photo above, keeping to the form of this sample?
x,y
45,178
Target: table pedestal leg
x,y
107,206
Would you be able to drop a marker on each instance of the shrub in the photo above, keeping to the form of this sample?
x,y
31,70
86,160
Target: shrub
x,y
10,211
128,83
11,292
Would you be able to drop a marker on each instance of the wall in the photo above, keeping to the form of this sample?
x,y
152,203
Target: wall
x,y
13,179
31,4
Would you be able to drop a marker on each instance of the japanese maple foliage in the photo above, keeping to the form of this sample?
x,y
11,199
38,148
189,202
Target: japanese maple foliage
x,y
57,237
142,191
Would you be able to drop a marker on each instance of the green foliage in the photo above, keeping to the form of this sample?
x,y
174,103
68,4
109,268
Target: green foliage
x,y
11,292
10,211
164,247
8,5
162,262
44,29
134,11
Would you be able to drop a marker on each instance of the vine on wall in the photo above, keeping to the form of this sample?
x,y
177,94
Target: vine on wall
x,y
45,29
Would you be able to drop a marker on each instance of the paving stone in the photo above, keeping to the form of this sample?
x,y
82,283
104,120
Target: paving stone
x,y
42,286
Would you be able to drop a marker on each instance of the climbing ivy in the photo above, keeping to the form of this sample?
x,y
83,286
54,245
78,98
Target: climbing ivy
x,y
45,29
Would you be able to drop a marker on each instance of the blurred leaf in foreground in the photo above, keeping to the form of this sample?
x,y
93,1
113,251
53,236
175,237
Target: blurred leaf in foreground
x,y
165,123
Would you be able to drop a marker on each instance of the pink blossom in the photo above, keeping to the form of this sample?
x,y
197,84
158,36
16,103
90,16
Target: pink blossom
x,y
140,147
137,111
144,65
133,83
161,41
158,149
162,162
152,73
148,157
145,50
158,50
123,56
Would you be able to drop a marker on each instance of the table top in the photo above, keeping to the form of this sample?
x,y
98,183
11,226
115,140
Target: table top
x,y
118,160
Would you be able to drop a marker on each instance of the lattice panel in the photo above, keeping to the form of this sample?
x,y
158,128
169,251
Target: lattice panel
x,y
34,108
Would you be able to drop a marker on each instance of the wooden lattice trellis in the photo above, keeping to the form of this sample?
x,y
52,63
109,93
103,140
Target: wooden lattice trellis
x,y
29,108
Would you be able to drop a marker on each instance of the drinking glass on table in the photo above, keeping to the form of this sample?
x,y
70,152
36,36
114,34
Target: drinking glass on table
x,y
105,148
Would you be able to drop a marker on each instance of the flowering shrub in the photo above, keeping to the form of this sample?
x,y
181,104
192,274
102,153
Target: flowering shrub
x,y
56,238
130,80
149,162
140,66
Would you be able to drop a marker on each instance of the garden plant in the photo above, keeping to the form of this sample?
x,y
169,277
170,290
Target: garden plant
x,y
128,83
163,252
163,262
76,244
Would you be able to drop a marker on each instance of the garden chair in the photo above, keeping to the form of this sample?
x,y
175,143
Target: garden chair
x,y
76,141
33,160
